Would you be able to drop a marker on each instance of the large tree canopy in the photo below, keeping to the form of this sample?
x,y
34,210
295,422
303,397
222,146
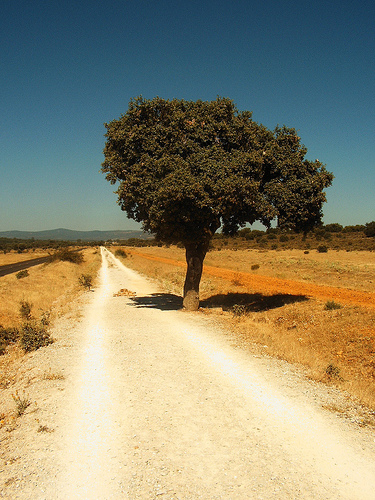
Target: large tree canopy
x,y
187,168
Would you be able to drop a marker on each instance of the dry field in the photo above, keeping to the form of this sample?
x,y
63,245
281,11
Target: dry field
x,y
314,310
45,288
49,288
14,257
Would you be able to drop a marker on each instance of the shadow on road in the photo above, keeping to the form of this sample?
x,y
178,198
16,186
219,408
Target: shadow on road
x,y
251,302
162,301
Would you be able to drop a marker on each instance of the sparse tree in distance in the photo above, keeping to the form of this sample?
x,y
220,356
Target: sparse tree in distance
x,y
370,229
187,168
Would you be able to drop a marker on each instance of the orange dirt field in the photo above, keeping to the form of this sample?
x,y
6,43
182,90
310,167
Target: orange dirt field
x,y
271,285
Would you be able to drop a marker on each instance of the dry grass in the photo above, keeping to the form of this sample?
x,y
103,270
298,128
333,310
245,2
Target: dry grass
x,y
49,288
13,257
336,346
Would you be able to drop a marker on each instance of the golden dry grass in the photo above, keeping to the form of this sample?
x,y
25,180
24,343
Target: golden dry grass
x,y
49,288
335,346
46,287
14,257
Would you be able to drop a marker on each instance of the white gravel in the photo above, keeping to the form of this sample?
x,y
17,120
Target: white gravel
x,y
159,403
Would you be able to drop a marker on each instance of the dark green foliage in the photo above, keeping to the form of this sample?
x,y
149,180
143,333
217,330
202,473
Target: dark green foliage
x,y
20,245
22,274
7,336
68,256
334,228
120,253
370,229
354,229
34,335
185,168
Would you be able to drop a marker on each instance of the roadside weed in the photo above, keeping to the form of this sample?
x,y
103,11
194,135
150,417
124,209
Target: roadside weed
x,y
21,402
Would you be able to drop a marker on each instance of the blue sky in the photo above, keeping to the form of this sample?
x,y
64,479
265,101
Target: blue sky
x,y
66,67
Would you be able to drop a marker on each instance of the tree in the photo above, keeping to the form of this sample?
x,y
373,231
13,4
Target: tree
x,y
370,229
187,168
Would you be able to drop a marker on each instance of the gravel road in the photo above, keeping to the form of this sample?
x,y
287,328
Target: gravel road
x,y
144,401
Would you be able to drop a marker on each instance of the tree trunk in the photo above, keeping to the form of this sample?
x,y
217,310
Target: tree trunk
x,y
195,254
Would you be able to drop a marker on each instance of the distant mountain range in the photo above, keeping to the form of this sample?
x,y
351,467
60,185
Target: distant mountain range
x,y
69,235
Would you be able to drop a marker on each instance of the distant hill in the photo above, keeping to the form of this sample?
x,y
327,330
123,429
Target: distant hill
x,y
69,235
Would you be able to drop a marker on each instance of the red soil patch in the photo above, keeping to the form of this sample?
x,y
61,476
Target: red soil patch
x,y
269,285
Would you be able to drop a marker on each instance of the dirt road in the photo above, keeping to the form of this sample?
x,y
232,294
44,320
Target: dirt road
x,y
145,402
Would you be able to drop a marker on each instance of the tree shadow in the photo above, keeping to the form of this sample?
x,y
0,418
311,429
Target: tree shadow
x,y
251,302
162,301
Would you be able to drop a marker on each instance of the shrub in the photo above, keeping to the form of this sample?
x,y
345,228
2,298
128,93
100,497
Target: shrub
x,y
22,274
34,335
120,253
254,267
25,310
322,249
334,228
306,252
239,310
331,305
7,336
283,238
333,371
370,229
85,280
68,256
21,402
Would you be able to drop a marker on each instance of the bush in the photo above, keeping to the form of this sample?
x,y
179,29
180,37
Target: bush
x,y
22,274
334,228
7,336
34,335
68,256
254,267
120,253
239,310
85,280
25,310
283,238
370,229
333,371
331,305
322,249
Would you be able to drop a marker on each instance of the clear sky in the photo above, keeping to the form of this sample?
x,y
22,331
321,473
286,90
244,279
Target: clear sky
x,y
66,67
